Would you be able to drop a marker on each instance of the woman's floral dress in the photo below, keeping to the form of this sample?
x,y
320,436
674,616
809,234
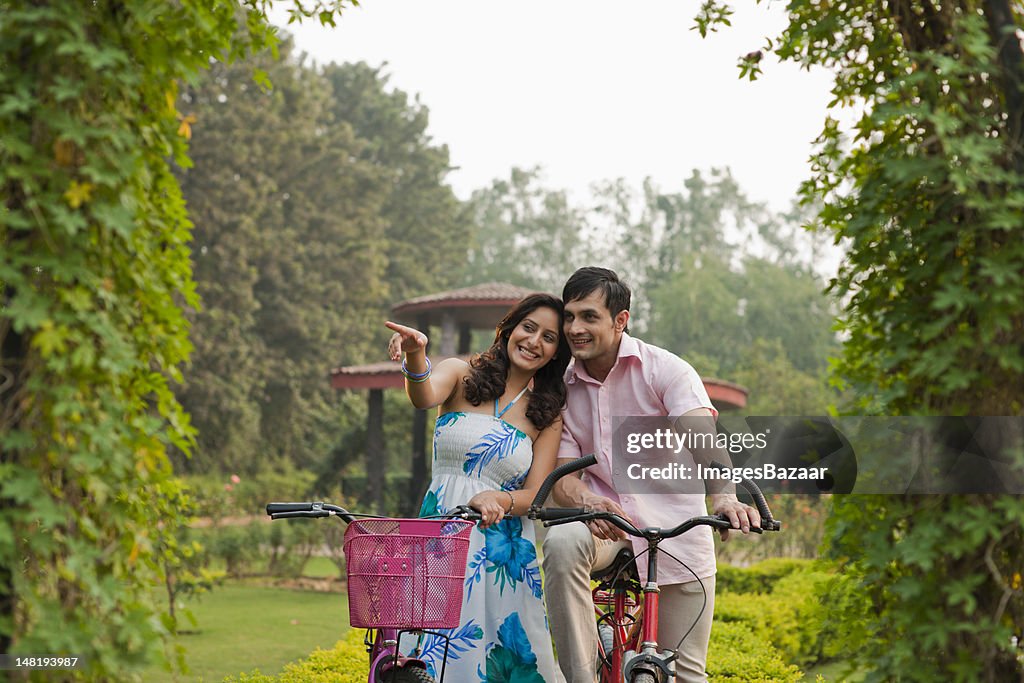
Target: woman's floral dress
x,y
503,636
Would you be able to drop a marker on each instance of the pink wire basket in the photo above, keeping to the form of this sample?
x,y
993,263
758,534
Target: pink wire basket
x,y
406,573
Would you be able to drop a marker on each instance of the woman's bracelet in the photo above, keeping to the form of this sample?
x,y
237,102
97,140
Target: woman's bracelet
x,y
511,503
416,376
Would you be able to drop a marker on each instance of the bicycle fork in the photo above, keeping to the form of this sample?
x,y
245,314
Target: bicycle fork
x,y
661,665
385,655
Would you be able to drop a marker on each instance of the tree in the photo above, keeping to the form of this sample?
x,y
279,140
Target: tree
x,y
525,234
424,223
94,271
928,188
715,273
315,203
776,386
285,262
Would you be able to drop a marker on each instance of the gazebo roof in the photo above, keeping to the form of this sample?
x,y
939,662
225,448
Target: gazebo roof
x,y
479,306
388,375
724,394
384,375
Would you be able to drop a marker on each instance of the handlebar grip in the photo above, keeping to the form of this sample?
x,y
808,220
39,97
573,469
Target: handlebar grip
x,y
312,514
558,473
728,525
273,508
552,514
285,510
768,523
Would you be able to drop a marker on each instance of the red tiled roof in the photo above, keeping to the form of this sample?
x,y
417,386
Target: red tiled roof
x,y
383,375
495,293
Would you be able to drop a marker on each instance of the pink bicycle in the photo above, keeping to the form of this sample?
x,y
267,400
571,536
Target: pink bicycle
x,y
405,576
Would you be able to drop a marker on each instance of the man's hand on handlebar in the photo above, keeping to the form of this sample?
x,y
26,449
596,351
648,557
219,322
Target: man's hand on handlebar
x,y
742,517
602,528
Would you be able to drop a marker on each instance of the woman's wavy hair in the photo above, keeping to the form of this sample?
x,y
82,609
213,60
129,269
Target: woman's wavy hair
x,y
486,380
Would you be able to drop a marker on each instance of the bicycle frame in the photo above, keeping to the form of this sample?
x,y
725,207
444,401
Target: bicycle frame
x,y
619,608
633,623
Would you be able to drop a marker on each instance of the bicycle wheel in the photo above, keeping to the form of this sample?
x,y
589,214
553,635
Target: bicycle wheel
x,y
408,674
643,677
607,636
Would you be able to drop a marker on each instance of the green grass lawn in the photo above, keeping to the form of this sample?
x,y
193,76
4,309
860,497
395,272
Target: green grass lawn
x,y
241,628
321,567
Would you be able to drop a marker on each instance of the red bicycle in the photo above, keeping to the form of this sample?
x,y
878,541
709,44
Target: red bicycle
x,y
626,611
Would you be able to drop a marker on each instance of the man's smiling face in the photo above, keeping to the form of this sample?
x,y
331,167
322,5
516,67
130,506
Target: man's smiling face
x,y
592,331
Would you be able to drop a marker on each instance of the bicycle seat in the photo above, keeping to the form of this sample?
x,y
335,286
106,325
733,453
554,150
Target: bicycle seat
x,y
624,558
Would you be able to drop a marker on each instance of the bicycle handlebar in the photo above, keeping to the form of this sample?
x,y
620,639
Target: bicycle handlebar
x,y
556,516
759,501
316,510
558,473
552,516
310,510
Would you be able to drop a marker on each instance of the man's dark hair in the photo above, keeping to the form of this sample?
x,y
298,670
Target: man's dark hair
x,y
589,279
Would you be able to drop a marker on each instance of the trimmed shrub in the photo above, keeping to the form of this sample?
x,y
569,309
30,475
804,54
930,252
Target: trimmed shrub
x,y
737,654
760,577
237,546
799,615
223,495
790,617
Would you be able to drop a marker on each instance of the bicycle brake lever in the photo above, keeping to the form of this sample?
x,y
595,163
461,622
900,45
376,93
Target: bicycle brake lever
x,y
466,512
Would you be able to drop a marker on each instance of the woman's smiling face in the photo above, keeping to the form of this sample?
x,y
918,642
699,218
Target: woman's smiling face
x,y
534,341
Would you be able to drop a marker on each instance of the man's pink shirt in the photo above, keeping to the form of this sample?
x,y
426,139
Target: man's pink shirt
x,y
645,381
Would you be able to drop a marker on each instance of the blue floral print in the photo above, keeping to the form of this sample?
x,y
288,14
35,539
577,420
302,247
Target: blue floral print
x,y
498,444
515,483
502,596
512,660
511,556
431,505
461,640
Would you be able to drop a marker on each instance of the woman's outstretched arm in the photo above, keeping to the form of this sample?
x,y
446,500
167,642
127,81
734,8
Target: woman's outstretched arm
x,y
426,386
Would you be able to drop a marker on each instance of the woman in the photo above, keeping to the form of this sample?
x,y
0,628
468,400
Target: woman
x,y
495,440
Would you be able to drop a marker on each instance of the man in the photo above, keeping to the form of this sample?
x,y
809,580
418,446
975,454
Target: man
x,y
614,374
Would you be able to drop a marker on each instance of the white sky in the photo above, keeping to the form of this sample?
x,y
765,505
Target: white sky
x,y
589,89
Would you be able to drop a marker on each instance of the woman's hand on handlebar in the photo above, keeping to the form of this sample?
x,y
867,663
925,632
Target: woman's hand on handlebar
x,y
742,517
491,505
603,528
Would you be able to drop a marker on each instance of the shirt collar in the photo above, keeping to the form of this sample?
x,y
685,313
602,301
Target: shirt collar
x,y
627,347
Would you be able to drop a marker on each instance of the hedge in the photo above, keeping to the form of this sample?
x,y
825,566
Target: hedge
x,y
735,655
760,577
768,618
279,549
790,617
